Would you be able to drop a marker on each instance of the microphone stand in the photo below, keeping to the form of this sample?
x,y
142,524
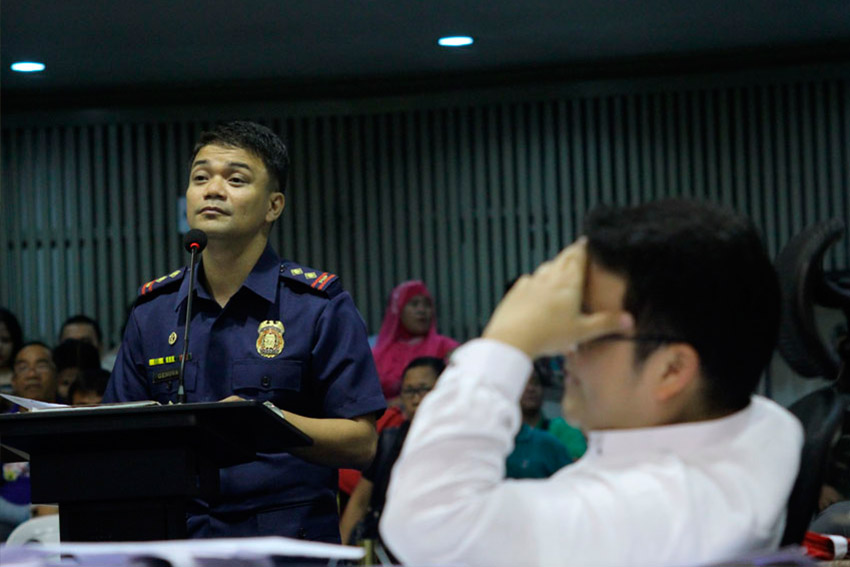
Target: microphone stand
x,y
181,389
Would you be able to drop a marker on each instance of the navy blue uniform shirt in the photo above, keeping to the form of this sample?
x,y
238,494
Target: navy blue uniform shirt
x,y
290,335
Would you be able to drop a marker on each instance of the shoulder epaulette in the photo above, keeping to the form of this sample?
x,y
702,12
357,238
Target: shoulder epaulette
x,y
323,283
159,284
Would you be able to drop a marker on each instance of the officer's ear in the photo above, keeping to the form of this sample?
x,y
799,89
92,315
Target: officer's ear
x,y
277,202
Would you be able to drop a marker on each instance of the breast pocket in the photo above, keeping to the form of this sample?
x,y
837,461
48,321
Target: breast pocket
x,y
277,381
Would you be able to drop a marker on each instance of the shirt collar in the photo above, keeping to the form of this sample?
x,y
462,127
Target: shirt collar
x,y
679,438
263,279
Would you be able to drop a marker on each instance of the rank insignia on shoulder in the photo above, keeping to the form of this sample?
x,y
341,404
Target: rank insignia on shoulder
x,y
163,281
270,339
315,279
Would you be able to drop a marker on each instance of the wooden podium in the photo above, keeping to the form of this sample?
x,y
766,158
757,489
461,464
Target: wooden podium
x,y
128,473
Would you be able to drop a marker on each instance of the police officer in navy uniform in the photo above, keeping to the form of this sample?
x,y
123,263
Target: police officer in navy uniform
x,y
262,329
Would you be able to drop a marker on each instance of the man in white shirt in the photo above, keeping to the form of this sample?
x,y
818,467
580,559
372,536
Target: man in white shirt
x,y
668,314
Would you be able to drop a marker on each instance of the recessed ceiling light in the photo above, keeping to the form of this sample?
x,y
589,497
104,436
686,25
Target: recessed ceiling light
x,y
28,67
455,41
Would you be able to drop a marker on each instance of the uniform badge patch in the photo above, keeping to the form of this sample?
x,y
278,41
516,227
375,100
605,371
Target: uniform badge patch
x,y
172,338
270,339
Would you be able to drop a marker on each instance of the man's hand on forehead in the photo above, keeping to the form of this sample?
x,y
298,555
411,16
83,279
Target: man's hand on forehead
x,y
542,313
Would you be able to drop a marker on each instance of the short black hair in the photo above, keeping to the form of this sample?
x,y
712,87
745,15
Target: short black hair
x,y
74,353
14,327
436,364
698,273
81,319
254,138
89,380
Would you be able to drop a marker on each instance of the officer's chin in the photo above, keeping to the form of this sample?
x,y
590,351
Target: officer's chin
x,y
213,230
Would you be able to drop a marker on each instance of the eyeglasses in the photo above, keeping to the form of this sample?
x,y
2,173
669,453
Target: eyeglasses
x,y
41,367
659,339
410,392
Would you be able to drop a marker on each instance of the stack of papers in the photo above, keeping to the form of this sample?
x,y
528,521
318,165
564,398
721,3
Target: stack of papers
x,y
35,405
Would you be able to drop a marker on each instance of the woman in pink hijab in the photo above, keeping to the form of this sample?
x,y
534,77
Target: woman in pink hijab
x,y
409,330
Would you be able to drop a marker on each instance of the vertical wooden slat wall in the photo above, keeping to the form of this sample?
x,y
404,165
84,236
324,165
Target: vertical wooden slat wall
x,y
465,196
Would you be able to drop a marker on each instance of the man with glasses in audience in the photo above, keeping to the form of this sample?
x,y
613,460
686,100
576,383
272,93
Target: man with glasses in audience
x,y
668,314
35,374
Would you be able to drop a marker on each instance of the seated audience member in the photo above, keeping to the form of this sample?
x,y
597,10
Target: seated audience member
x,y
536,453
531,404
668,314
409,330
71,357
89,387
82,328
367,499
34,378
35,373
11,339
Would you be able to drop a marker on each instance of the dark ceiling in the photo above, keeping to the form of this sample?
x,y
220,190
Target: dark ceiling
x,y
234,47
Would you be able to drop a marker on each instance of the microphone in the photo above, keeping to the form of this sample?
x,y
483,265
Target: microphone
x,y
194,242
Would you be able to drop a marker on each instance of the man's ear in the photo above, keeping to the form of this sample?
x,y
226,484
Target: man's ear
x,y
277,202
678,370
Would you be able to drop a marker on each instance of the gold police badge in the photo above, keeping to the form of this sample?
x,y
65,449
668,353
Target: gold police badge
x,y
270,339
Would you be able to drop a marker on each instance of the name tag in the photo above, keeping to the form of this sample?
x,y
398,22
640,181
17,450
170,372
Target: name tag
x,y
166,375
